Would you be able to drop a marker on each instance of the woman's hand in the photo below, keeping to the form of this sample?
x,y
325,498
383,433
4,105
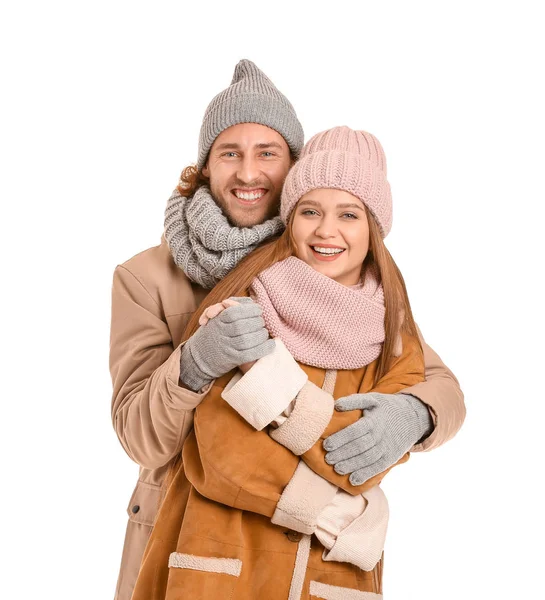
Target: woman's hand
x,y
231,336
247,366
213,311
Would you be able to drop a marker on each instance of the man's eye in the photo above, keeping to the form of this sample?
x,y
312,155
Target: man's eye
x,y
267,154
230,154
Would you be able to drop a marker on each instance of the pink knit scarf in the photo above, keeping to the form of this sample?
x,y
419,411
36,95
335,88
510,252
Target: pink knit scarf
x,y
321,322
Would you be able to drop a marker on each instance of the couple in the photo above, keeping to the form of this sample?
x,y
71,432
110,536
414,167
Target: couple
x,y
307,309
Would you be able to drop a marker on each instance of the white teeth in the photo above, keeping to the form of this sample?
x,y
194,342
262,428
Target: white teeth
x,y
248,195
321,250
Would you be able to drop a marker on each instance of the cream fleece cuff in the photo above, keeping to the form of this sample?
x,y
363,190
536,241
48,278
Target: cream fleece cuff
x,y
303,499
308,420
267,389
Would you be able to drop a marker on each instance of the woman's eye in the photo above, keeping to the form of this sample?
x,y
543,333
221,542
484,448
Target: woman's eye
x,y
309,211
350,215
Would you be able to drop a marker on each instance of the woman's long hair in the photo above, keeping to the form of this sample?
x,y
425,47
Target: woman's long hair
x,y
238,282
396,300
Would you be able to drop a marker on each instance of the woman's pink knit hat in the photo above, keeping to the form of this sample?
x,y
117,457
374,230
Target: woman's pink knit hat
x,y
342,159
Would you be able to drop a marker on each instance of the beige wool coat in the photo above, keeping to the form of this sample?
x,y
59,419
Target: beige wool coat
x,y
152,302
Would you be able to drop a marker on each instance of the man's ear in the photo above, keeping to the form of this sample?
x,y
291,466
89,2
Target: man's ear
x,y
205,171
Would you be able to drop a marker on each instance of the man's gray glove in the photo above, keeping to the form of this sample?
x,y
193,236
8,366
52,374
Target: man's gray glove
x,y
392,424
236,336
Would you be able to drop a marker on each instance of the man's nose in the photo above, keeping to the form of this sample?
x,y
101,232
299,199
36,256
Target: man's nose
x,y
248,169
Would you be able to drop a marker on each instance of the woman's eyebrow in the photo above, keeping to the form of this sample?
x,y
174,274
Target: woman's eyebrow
x,y
343,205
311,202
350,205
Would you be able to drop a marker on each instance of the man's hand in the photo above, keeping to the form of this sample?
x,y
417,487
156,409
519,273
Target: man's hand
x,y
235,336
392,424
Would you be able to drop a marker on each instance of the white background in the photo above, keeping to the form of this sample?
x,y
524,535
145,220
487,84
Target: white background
x,y
101,108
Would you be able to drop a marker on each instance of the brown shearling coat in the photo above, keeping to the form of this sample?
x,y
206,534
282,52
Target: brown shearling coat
x,y
227,463
152,302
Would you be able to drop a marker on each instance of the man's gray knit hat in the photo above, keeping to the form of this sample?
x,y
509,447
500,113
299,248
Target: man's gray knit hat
x,y
251,98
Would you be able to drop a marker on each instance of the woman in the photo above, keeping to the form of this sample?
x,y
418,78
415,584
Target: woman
x,y
241,499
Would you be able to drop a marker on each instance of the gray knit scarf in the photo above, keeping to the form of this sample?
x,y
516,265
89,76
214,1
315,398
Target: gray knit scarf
x,y
201,240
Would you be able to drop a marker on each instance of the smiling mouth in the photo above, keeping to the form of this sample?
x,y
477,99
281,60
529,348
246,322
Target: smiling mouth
x,y
252,196
327,251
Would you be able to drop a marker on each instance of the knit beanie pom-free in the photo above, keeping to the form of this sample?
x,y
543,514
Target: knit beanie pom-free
x,y
251,98
343,159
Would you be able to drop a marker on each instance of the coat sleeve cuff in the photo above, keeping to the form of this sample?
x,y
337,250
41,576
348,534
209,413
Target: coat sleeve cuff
x,y
308,420
424,419
303,499
267,389
362,542
182,398
338,515
441,393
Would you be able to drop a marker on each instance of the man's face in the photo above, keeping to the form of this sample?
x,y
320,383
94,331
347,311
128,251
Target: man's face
x,y
247,166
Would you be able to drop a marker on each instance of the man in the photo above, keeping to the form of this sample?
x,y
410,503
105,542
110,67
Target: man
x,y
224,208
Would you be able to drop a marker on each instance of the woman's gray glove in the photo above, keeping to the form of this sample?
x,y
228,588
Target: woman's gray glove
x,y
391,426
236,336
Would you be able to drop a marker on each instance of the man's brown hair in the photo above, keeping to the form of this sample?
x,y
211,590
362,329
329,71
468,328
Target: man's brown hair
x,y
191,180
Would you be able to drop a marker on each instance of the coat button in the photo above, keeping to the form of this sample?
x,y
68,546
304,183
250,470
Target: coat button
x,y
135,508
294,536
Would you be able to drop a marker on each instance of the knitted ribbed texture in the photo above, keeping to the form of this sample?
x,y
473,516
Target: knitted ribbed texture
x,y
201,240
338,515
254,398
352,537
321,322
342,159
251,98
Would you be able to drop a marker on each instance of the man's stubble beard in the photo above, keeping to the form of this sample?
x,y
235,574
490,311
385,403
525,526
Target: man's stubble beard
x,y
273,210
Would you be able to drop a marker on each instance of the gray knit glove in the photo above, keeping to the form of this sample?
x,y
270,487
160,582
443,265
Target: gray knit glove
x,y
392,424
236,336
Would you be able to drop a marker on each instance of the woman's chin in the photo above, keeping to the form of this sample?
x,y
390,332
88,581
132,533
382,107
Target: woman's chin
x,y
325,269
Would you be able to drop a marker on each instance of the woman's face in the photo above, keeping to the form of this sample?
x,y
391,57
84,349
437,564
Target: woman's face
x,y
331,233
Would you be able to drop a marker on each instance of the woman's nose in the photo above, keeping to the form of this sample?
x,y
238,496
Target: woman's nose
x,y
326,228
